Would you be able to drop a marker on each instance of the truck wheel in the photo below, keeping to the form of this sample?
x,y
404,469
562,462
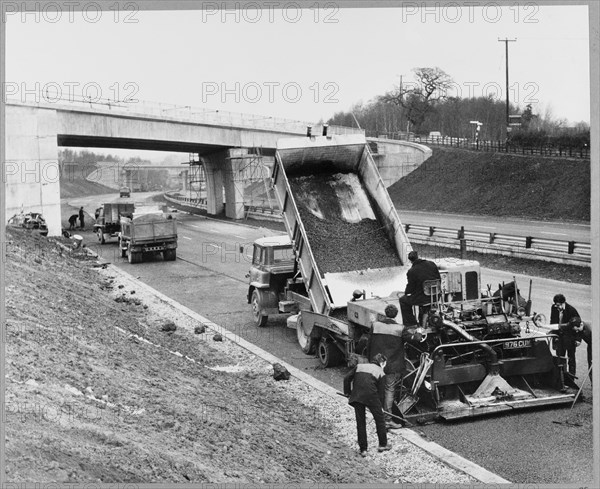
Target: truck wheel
x,y
307,343
123,250
101,236
328,353
134,256
259,319
170,255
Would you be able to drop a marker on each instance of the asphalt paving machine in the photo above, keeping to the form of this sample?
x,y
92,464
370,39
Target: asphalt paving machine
x,y
474,352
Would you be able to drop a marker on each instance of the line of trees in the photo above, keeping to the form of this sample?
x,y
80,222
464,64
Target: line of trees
x,y
425,105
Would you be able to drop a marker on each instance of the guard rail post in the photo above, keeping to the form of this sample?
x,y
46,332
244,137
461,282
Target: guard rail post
x,y
463,248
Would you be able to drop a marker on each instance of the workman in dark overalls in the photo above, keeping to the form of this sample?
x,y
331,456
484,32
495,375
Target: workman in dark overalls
x,y
560,314
81,218
387,338
420,271
583,331
363,385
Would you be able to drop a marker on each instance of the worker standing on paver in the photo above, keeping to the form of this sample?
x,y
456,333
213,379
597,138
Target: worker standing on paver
x,y
387,338
363,385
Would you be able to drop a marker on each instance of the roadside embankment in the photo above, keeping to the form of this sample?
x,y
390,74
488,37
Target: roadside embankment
x,y
107,383
497,184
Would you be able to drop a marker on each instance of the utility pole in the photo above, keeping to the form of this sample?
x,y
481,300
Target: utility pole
x,y
506,41
402,107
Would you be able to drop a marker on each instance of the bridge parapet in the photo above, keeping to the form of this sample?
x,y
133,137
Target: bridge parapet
x,y
184,113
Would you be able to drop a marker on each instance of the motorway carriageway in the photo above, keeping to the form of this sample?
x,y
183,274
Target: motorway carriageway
x,y
525,447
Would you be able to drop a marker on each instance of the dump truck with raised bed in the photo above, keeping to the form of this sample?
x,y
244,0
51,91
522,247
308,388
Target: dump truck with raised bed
x,y
149,232
108,222
331,196
345,259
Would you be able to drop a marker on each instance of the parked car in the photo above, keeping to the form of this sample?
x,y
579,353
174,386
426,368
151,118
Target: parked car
x,y
30,220
125,192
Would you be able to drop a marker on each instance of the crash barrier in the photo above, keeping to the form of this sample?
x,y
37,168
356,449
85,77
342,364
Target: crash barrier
x,y
557,251
176,198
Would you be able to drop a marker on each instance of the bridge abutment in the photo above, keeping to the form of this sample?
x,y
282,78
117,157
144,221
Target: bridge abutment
x,y
32,173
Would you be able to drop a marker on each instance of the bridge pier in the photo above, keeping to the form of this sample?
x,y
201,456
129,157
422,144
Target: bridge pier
x,y
184,176
234,183
32,173
224,176
213,169
127,178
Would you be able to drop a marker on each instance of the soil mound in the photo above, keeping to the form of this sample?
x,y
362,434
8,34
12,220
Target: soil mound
x,y
497,184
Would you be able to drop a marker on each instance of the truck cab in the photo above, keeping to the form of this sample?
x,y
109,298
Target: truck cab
x,y
108,223
273,274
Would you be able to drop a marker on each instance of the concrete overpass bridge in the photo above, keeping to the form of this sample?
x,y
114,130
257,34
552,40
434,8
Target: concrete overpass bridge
x,y
224,141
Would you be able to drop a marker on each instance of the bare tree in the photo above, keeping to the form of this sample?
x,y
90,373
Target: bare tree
x,y
420,97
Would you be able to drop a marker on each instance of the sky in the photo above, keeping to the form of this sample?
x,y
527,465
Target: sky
x,y
301,64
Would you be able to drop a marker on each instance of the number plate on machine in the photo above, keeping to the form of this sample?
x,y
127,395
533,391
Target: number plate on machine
x,y
514,344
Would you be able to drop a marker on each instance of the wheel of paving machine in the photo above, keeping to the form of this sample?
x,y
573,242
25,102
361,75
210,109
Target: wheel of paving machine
x,y
329,354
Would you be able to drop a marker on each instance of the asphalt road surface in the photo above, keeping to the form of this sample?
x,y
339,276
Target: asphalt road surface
x,y
524,447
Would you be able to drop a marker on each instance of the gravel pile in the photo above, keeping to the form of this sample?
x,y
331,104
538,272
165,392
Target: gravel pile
x,y
339,245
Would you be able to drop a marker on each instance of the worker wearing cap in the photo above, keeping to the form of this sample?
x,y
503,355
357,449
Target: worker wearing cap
x,y
583,331
363,385
387,338
420,271
560,314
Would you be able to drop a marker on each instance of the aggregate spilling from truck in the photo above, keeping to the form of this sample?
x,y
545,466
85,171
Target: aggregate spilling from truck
x,y
345,258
